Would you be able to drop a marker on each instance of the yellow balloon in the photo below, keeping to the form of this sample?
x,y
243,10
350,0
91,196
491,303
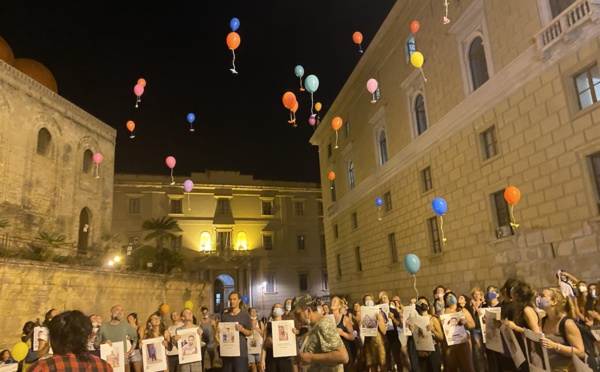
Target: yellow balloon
x,y
19,351
318,106
416,59
188,305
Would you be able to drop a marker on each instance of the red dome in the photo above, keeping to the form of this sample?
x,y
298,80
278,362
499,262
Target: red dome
x,y
6,53
36,71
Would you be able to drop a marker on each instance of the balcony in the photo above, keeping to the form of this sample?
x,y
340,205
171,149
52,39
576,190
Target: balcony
x,y
567,25
223,253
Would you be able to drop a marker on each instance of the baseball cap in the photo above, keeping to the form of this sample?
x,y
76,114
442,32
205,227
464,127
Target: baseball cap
x,y
303,301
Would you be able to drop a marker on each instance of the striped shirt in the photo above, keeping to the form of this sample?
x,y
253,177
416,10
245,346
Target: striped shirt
x,y
71,363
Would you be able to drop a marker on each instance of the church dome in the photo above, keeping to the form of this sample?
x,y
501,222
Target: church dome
x,y
37,72
6,53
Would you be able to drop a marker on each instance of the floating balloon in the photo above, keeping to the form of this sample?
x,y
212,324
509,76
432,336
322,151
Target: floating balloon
x,y
318,106
312,84
414,27
439,206
417,59
164,309
412,264
138,90
331,175
19,351
97,158
336,124
188,185
190,118
233,42
372,87
188,304
378,202
234,24
131,126
293,114
289,99
358,38
512,195
299,71
245,299
170,161
142,82
312,121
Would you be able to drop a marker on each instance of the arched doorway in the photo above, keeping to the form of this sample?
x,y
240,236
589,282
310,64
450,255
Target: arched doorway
x,y
223,286
84,231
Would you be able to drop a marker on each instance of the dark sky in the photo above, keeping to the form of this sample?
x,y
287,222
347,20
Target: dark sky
x,y
98,51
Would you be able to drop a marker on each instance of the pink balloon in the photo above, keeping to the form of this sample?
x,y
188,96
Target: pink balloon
x,y
97,158
138,90
170,162
188,185
312,121
372,85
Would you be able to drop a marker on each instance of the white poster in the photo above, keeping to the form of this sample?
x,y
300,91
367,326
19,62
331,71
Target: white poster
x,y
229,339
454,329
189,345
11,367
284,340
368,322
421,334
408,312
254,343
513,345
482,319
537,355
493,337
39,332
154,357
114,355
384,310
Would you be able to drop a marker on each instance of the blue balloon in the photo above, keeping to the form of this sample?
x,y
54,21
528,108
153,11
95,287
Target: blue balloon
x,y
299,71
234,24
191,117
245,299
379,202
412,264
439,206
311,83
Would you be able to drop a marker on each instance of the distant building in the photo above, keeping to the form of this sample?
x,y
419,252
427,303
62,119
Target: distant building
x,y
262,238
47,175
511,99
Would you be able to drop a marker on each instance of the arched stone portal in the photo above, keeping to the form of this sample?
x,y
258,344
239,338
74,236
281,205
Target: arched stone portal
x,y
223,286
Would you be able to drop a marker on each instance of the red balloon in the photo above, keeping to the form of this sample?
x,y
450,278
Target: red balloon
x,y
97,158
512,195
289,99
357,37
414,27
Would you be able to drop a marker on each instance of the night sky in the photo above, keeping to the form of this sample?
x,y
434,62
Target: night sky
x,y
97,52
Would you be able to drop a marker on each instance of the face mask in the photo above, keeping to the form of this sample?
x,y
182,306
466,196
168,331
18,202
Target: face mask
x,y
319,310
492,295
439,295
563,278
452,301
369,303
392,307
288,307
544,302
253,317
205,316
582,288
593,293
95,325
278,311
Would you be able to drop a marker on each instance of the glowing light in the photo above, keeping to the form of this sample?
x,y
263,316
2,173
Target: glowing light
x,y
110,263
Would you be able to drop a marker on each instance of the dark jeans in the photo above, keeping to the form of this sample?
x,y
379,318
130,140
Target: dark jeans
x,y
235,364
173,362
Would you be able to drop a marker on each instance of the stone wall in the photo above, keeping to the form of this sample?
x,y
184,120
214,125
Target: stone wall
x,y
29,289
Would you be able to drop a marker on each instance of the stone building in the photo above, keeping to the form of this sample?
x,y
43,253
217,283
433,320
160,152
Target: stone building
x,y
48,177
262,238
511,99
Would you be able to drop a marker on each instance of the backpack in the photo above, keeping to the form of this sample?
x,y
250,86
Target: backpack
x,y
593,360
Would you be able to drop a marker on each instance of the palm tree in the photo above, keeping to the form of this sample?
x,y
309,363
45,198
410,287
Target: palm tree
x,y
161,229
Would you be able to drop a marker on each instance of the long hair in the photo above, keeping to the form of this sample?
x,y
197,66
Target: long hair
x,y
69,333
149,329
507,286
48,317
27,331
564,303
523,297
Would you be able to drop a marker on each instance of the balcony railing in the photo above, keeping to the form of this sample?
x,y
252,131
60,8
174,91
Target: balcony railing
x,y
573,17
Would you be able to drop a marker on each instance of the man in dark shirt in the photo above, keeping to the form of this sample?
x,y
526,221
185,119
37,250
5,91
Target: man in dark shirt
x,y
244,327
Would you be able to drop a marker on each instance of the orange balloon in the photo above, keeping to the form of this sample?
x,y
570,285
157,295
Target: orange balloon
x,y
142,82
336,123
295,107
414,26
357,37
233,40
289,99
512,195
164,308
331,176
130,125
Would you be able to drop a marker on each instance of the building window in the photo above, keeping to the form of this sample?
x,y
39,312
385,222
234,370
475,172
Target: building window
x,y
338,260
477,63
382,142
270,283
420,117
358,260
319,208
300,240
303,278
268,242
347,128
392,246
44,142
325,284
329,150
223,206
223,240
502,213
205,241
299,208
411,47
426,179
387,202
176,206
351,174
88,162
354,219
559,6
587,84
335,231
434,235
489,143
176,243
267,208
322,242
241,243
134,206
332,189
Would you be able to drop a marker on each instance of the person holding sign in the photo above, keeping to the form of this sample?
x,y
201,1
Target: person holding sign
x,y
456,350
269,362
243,326
189,347
429,361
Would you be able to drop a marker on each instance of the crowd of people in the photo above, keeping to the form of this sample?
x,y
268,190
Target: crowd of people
x,y
336,336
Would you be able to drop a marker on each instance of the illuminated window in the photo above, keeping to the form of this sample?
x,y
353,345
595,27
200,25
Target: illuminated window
x,y
242,241
205,241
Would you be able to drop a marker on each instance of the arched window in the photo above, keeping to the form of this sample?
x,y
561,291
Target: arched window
x,y
420,117
383,155
205,243
87,161
44,142
351,183
477,63
242,241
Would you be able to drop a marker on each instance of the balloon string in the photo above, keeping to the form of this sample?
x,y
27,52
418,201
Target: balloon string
x,y
233,62
360,50
294,119
442,230
422,73
379,214
137,101
189,206
312,104
373,100
446,20
336,139
513,223
301,87
172,179
97,176
415,284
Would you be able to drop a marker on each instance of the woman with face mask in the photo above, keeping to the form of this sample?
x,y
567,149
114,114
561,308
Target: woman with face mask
x,y
287,310
581,302
430,361
374,347
458,355
269,362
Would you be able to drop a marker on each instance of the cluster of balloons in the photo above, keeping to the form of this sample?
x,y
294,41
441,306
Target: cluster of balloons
x,y
416,57
358,38
138,90
170,161
290,103
233,40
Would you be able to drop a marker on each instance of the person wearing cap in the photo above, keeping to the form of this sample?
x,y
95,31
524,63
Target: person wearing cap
x,y
323,349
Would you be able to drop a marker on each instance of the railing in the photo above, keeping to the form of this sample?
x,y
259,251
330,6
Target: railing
x,y
571,18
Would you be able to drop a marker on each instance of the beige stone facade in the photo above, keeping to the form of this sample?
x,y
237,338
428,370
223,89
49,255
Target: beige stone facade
x,y
262,238
524,127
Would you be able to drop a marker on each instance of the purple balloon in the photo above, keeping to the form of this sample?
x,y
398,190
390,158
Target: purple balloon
x,y
188,186
312,121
